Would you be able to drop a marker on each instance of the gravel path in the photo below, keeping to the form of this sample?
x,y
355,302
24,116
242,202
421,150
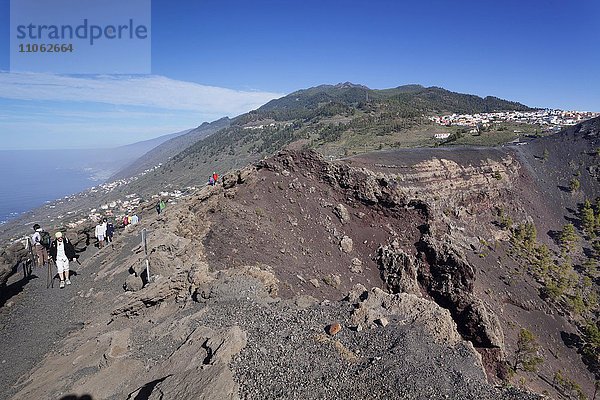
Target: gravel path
x,y
33,321
289,356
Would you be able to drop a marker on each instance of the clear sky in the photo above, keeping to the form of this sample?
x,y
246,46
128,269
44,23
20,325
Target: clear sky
x,y
216,58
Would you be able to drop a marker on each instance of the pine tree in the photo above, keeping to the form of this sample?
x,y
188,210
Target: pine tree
x,y
568,237
596,247
526,354
525,235
597,212
588,219
574,185
543,261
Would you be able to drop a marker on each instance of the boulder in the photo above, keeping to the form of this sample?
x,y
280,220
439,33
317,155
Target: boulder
x,y
333,280
10,257
346,244
230,180
133,283
398,269
342,213
371,306
356,266
333,329
237,177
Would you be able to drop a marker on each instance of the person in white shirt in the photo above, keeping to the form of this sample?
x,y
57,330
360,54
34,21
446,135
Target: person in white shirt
x,y
100,234
61,251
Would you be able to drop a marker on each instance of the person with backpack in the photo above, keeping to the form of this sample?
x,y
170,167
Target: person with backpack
x,y
62,251
160,206
41,242
215,177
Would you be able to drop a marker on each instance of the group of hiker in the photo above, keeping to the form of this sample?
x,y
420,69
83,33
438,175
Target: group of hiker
x,y
130,220
213,179
60,251
104,232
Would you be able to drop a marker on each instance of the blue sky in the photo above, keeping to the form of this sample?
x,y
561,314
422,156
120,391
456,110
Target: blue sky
x,y
217,58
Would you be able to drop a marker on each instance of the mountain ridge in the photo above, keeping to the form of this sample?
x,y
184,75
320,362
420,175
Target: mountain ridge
x,y
169,148
323,117
349,92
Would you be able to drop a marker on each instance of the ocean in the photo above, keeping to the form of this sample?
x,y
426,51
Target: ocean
x,y
30,178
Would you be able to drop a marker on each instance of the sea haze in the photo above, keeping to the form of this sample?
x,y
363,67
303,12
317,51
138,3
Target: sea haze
x,y
31,178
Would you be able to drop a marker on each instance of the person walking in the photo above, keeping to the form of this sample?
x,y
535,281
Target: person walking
x,y
62,251
40,241
110,231
162,205
105,228
215,177
100,233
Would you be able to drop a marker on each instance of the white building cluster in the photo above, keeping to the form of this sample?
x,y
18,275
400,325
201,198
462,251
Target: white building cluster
x,y
547,117
115,208
265,125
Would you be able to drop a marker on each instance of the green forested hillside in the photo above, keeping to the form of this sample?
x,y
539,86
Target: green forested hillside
x,y
336,120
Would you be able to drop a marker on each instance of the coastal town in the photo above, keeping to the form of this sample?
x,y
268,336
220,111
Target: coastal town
x,y
115,209
545,117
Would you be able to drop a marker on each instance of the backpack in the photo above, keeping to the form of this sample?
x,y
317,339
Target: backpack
x,y
45,239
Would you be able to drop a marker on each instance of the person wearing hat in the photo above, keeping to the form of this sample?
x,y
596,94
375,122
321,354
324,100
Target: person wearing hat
x,y
61,251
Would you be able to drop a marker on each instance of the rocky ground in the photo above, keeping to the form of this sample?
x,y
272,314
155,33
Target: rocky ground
x,y
236,341
296,278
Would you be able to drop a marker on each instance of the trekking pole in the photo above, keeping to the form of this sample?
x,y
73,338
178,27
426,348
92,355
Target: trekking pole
x,y
145,243
31,254
50,279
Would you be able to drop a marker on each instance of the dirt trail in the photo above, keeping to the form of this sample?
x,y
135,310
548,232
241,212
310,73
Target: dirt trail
x,y
36,320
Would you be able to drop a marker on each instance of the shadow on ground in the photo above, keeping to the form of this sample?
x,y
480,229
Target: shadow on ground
x,y
9,291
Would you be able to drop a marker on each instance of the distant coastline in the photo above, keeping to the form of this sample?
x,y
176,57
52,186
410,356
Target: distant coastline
x,y
31,179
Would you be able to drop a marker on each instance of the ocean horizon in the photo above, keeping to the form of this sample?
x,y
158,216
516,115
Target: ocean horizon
x,y
32,178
